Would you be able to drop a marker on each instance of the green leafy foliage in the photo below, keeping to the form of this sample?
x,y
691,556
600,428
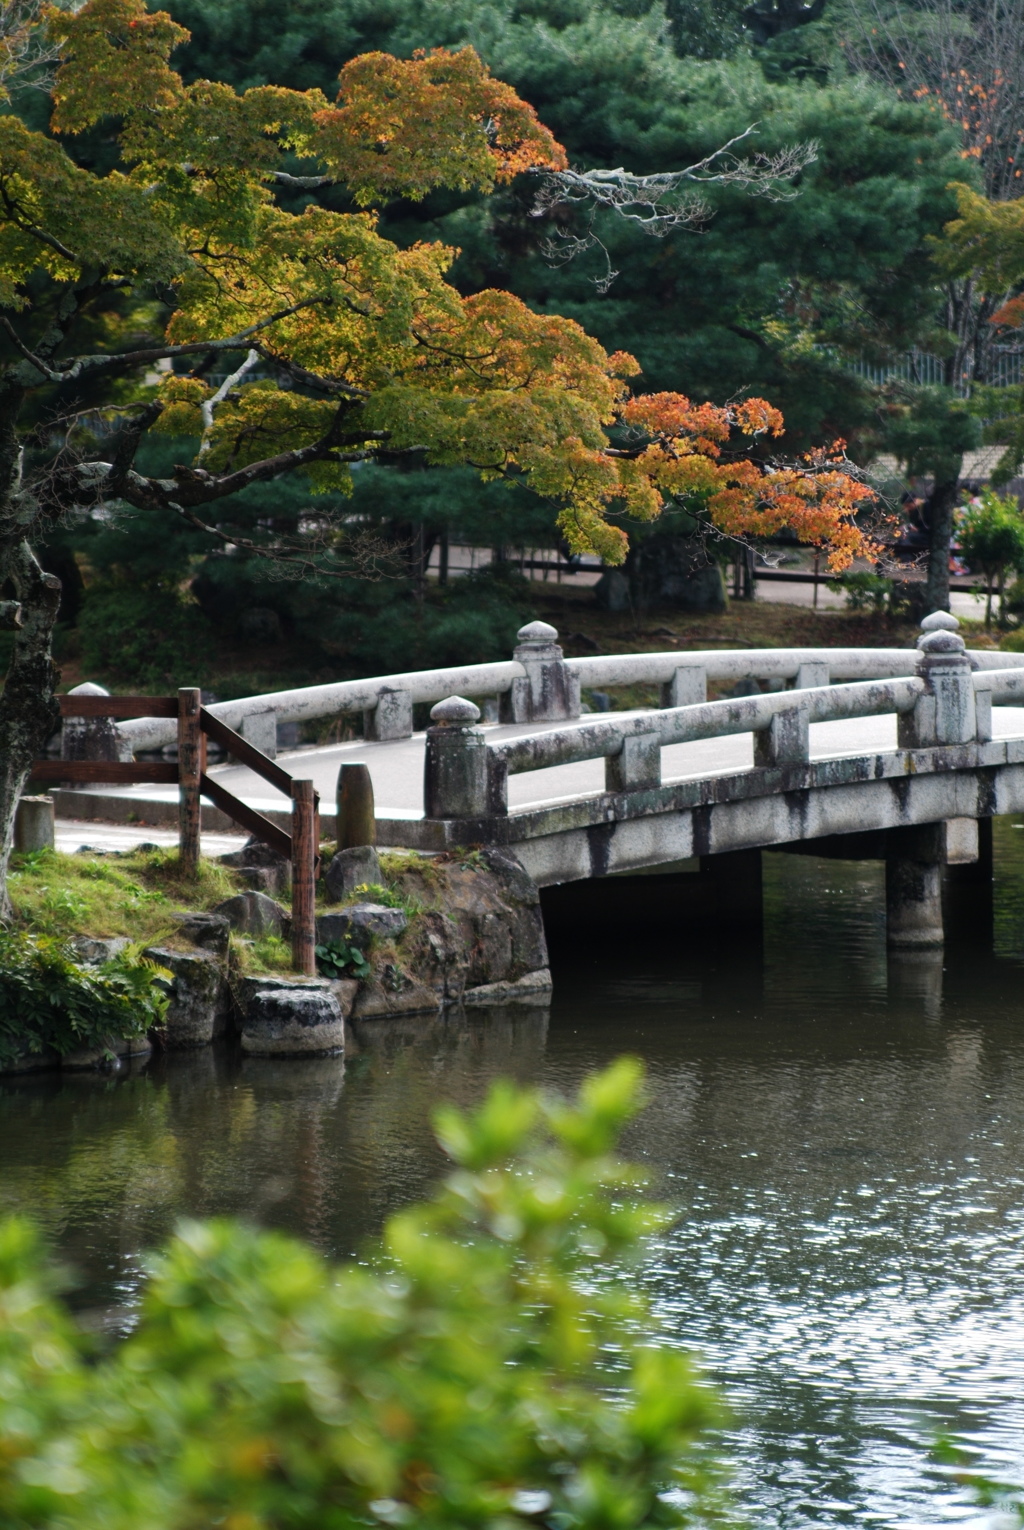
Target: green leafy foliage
x,y
50,1003
867,592
145,637
338,959
1007,1499
929,430
991,537
490,1368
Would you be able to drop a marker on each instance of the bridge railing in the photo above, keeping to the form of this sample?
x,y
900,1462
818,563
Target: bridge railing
x,y
631,746
539,685
947,702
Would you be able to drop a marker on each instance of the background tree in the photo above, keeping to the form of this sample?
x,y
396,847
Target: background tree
x,y
340,347
773,298
991,537
929,429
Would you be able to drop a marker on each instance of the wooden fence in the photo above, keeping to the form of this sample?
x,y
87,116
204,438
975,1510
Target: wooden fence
x,y
188,773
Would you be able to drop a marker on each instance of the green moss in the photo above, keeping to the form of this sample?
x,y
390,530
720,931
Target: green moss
x,y
397,863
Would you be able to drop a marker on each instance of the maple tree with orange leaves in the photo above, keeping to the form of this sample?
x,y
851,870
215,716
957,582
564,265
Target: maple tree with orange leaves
x,y
342,347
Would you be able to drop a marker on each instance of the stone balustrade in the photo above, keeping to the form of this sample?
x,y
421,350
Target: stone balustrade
x,y
540,685
946,702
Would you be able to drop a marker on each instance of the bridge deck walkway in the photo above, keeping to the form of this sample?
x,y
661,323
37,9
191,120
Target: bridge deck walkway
x,y
396,767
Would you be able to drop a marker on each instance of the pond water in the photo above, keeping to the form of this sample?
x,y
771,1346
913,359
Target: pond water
x,y
842,1134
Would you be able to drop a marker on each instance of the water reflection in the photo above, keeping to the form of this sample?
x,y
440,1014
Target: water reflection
x,y
842,1131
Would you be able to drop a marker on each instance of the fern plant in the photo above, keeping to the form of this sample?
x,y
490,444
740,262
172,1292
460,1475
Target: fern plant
x,y
49,1003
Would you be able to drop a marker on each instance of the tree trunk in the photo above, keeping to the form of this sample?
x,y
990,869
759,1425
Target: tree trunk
x,y
940,523
28,710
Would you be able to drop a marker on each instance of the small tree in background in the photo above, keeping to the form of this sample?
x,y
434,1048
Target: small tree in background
x,y
991,536
490,1369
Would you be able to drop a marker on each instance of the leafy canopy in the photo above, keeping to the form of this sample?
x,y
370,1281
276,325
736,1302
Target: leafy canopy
x,y
489,1368
991,533
357,349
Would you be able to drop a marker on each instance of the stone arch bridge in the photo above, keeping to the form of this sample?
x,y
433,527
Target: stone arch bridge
x,y
894,754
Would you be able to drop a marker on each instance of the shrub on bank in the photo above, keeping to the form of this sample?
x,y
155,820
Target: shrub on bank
x,y
489,1368
48,1003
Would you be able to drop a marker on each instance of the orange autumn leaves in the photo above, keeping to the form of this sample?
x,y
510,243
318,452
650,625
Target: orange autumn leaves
x,y
439,118
482,380
692,451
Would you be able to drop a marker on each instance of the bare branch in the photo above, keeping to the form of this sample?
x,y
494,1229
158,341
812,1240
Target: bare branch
x,y
210,404
108,361
661,203
302,559
40,366
313,380
302,182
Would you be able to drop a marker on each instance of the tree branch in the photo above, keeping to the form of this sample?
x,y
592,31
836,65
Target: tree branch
x,y
660,203
109,361
311,379
40,366
302,182
210,404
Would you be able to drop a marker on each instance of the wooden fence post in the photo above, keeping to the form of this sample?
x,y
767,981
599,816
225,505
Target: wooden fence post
x,y
304,852
190,766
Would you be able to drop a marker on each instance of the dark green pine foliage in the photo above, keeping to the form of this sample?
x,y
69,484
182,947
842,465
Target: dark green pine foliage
x,y
756,299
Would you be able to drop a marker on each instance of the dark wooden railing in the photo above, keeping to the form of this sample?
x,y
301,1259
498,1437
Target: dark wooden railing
x,y
188,773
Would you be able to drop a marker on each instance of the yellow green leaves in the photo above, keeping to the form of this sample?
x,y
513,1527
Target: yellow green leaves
x,y
61,219
114,62
362,347
355,295
987,238
405,126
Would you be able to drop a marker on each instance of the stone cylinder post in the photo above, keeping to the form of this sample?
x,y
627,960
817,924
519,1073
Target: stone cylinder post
x,y
356,822
548,691
455,771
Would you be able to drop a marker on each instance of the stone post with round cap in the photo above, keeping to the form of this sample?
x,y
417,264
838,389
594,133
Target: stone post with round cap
x,y
547,691
945,713
455,771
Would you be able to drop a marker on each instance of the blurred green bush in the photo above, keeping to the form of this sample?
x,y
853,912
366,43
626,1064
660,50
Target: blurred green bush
x,y
491,1367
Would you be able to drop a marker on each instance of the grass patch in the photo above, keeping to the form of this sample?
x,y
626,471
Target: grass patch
x,y
135,894
398,863
268,954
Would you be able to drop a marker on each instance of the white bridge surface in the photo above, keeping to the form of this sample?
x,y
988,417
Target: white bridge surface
x,y
396,768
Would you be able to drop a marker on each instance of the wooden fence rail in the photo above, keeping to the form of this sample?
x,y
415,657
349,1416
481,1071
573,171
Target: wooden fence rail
x,y
188,773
